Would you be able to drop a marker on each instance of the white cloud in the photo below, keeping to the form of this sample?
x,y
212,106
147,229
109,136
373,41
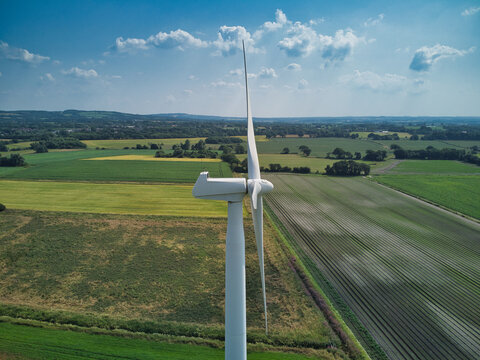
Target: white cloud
x,y
373,21
176,39
188,92
222,83
387,83
471,11
192,77
302,84
264,73
236,72
116,76
170,99
340,46
80,73
269,26
316,21
229,41
425,57
47,77
303,40
179,39
11,53
129,44
294,67
267,73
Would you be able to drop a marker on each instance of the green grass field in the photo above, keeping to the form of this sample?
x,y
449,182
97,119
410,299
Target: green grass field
x,y
163,269
319,146
140,199
408,270
422,144
25,342
295,160
435,167
456,192
71,166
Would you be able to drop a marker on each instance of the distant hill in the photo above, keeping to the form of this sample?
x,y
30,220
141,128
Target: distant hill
x,y
86,115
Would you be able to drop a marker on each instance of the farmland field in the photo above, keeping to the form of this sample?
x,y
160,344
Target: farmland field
x,y
456,192
151,158
295,160
120,144
319,146
435,167
150,268
158,199
70,166
292,160
21,342
408,270
422,144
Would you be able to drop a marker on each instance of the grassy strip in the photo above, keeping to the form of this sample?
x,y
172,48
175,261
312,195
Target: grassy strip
x,y
453,192
192,333
318,283
46,341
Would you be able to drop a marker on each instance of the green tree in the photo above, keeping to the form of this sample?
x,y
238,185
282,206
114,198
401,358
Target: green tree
x,y
305,150
240,149
285,150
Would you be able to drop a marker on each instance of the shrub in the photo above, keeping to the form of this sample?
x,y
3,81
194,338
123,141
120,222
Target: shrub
x,y
2,207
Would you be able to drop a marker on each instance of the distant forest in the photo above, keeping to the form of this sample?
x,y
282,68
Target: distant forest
x,y
93,125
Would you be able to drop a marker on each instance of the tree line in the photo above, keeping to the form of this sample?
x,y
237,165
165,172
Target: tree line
x,y
102,125
431,153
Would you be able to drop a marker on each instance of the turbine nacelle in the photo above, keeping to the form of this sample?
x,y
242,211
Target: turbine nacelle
x,y
228,189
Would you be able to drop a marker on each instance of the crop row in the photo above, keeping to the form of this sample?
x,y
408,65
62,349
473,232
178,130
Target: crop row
x,y
414,286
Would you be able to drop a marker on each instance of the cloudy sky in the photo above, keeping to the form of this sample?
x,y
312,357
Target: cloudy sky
x,y
305,58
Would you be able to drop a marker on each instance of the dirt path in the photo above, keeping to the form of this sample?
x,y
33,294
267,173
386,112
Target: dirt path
x,y
388,168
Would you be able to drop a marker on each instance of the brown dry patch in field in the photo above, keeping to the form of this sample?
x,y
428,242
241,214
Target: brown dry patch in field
x,y
19,223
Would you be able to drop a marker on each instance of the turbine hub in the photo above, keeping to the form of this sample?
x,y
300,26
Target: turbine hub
x,y
264,186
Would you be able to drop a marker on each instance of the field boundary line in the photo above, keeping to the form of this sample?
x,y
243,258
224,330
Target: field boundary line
x,y
430,203
303,268
164,331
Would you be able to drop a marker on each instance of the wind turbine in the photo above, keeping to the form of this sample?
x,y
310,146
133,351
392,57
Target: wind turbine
x,y
233,190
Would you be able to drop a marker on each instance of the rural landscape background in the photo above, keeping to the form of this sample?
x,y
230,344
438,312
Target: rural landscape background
x,y
367,123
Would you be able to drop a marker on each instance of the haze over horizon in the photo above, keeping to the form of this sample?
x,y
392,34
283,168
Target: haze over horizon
x,y
305,59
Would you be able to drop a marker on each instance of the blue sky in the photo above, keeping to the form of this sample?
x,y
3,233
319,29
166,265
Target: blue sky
x,y
305,58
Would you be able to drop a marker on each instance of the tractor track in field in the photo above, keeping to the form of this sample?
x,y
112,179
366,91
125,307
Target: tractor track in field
x,y
412,283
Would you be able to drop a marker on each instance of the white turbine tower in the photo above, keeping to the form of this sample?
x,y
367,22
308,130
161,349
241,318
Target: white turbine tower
x,y
233,190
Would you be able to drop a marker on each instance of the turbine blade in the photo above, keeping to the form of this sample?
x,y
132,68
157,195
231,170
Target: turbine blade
x,y
253,165
254,196
257,215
